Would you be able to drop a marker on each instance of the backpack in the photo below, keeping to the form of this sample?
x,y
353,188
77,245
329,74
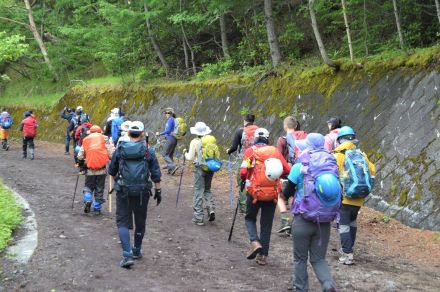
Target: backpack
x,y
6,120
209,154
134,173
247,139
259,186
357,180
96,151
116,128
313,207
180,128
29,127
293,150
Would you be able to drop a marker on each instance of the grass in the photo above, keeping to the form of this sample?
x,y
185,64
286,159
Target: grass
x,y
35,101
10,216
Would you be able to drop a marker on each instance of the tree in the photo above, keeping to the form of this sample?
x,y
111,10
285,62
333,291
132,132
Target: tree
x,y
437,6
318,38
11,48
224,37
272,37
399,29
347,28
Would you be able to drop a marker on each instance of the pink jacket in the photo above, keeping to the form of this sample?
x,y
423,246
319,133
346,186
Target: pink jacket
x,y
330,140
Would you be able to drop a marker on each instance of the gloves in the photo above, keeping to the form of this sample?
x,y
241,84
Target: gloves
x,y
158,196
65,108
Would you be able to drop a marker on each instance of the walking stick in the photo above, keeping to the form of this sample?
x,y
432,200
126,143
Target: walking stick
x,y
180,182
231,192
74,193
233,221
110,191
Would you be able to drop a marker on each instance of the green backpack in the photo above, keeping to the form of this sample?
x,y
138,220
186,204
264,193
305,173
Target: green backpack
x,y
180,128
209,153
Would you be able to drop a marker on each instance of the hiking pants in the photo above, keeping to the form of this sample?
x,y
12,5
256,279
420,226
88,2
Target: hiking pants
x,y
4,143
202,192
96,183
68,138
348,226
266,220
126,208
28,142
309,238
168,151
242,194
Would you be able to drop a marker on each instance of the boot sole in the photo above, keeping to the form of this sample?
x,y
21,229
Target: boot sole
x,y
211,217
284,229
254,253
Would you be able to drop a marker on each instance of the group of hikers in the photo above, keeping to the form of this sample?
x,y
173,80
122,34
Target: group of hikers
x,y
328,178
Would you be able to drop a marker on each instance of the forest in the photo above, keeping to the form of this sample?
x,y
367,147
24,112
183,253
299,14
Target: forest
x,y
65,40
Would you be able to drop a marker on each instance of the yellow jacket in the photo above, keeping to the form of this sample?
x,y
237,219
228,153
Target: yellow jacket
x,y
340,158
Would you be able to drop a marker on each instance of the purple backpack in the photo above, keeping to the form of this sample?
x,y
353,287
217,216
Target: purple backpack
x,y
312,207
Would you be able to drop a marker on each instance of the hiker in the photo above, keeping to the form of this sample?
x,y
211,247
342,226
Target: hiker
x,y
96,150
67,114
357,175
286,146
133,167
205,153
331,139
242,140
5,124
315,205
261,169
29,128
124,132
108,126
79,119
171,141
117,122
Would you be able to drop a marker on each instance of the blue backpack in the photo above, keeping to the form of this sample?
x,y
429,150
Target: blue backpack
x,y
357,180
6,122
116,128
134,174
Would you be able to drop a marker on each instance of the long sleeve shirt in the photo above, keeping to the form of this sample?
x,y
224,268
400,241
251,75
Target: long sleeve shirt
x,y
236,141
193,152
169,127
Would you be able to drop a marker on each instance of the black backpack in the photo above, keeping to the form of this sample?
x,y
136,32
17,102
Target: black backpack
x,y
134,174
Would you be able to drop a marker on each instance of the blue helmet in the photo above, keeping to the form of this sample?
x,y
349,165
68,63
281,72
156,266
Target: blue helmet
x,y
6,125
328,188
213,165
346,132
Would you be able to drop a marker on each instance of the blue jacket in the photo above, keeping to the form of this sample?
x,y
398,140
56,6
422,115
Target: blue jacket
x,y
169,127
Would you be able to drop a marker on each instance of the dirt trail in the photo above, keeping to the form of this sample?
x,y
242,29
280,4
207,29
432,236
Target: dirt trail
x,y
179,256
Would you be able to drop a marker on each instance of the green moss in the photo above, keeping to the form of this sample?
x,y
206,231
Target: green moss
x,y
403,198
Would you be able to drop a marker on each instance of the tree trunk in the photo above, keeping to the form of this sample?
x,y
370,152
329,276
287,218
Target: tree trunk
x,y
399,29
347,28
39,40
321,46
190,49
224,36
274,46
437,6
365,28
156,47
185,52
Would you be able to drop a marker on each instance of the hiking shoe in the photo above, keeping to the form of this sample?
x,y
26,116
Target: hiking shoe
x,y
137,253
7,148
67,153
127,262
261,260
82,172
211,216
173,171
254,250
285,225
198,222
346,259
87,206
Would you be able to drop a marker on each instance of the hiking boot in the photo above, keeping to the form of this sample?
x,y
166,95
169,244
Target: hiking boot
x,y
127,261
32,154
285,225
211,216
346,259
261,260
137,253
82,172
67,153
87,206
254,250
198,222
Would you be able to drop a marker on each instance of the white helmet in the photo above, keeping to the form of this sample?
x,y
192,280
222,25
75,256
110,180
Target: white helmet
x,y
274,168
261,132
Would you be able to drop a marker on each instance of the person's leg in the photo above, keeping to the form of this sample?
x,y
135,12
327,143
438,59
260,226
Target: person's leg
x,y
250,221
242,195
167,151
302,234
139,206
209,200
353,224
344,229
199,188
318,252
25,147
67,142
99,188
266,221
284,214
32,148
123,219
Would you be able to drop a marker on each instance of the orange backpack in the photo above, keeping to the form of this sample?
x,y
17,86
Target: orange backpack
x,y
247,139
95,151
260,187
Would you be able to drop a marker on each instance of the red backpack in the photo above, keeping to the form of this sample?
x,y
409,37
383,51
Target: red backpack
x,y
95,151
248,137
260,187
29,127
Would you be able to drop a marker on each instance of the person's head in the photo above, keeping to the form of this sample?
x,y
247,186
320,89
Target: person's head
x,y
261,136
169,112
249,119
27,114
290,124
136,131
334,123
95,129
79,110
114,112
346,134
200,129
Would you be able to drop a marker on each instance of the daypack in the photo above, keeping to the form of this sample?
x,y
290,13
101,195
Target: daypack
x,y
248,137
180,128
134,173
95,151
116,128
311,206
6,121
209,151
259,186
29,127
357,180
293,150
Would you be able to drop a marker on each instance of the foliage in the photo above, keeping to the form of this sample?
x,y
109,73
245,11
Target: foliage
x,y
221,68
10,216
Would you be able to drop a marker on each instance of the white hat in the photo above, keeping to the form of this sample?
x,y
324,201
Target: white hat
x,y
126,126
79,108
200,129
136,127
261,132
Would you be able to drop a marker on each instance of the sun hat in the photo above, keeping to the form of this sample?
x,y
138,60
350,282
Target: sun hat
x,y
200,129
136,126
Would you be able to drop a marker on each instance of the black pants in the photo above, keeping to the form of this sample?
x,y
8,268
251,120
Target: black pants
x,y
96,184
28,142
348,227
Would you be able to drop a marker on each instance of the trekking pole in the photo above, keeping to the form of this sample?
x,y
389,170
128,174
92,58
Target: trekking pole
x,y
180,182
74,193
110,191
233,221
231,192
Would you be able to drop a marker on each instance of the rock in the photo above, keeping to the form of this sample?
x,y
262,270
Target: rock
x,y
391,285
62,236
376,272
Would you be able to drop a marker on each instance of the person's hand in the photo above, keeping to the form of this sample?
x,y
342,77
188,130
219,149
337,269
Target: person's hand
x,y
158,196
65,108
184,151
227,151
157,134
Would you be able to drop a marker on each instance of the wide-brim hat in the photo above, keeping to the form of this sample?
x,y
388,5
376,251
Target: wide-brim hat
x,y
200,129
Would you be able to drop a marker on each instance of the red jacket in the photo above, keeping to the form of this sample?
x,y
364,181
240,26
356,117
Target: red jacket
x,y
248,155
29,127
